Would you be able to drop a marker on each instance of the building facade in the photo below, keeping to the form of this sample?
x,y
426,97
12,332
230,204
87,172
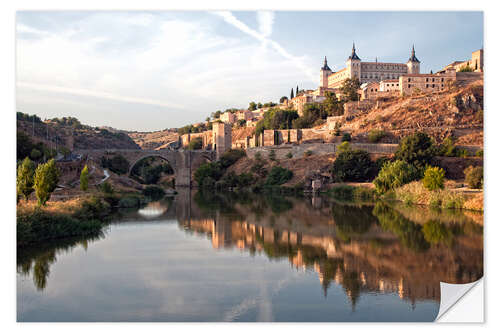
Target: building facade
x,y
366,71
475,63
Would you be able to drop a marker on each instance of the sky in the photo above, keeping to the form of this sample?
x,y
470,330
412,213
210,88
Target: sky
x,y
148,71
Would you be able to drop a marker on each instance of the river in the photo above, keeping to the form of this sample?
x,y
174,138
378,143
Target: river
x,y
210,257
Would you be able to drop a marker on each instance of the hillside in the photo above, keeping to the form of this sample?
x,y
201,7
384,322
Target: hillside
x,y
75,136
153,140
457,112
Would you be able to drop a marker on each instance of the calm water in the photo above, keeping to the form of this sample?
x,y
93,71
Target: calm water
x,y
204,257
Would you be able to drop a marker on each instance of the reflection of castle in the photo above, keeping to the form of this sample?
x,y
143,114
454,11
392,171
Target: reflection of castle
x,y
356,266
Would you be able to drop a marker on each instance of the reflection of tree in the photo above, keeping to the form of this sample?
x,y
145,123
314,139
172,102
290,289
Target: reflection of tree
x,y
37,260
436,232
351,221
212,202
409,233
278,204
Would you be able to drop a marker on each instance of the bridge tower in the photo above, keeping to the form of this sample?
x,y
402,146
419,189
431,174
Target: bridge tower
x,y
221,135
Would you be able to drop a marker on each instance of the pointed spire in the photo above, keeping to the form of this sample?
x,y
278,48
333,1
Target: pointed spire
x,y
353,55
413,58
325,66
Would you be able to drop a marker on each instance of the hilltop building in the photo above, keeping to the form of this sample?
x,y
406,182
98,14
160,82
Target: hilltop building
x,y
365,71
475,63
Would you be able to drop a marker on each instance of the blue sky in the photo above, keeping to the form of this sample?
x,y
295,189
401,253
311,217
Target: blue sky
x,y
155,70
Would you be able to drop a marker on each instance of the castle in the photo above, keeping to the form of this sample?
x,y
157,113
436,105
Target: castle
x,y
366,72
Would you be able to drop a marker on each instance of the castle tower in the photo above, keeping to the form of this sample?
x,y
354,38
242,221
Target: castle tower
x,y
323,75
413,63
353,64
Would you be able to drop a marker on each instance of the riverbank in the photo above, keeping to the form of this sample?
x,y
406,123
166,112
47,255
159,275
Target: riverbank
x,y
453,196
84,215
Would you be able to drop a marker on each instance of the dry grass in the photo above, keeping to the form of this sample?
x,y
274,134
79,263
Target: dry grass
x,y
415,193
53,207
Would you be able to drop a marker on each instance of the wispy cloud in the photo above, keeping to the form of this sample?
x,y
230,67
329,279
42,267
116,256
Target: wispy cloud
x,y
98,94
265,24
266,21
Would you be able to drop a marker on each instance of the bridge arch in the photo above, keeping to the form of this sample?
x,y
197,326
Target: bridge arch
x,y
169,159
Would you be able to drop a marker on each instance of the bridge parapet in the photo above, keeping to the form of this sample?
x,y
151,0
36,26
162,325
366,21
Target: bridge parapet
x,y
183,162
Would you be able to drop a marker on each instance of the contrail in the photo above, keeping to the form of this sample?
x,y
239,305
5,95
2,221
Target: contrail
x,y
231,19
98,94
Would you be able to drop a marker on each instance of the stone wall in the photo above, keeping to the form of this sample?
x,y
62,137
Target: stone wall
x,y
320,149
268,138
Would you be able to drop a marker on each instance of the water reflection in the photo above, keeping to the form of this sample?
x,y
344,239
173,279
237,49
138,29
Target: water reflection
x,y
360,248
364,248
36,261
153,210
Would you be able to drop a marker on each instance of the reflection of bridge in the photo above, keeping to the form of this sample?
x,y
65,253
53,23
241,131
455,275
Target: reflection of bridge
x,y
183,162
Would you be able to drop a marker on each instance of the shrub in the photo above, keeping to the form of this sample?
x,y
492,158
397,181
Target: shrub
x,y
479,153
231,156
154,192
258,156
24,181
474,177
308,153
416,149
346,192
395,174
278,176
289,155
212,170
343,147
35,154
433,178
353,165
84,179
448,148
346,137
376,135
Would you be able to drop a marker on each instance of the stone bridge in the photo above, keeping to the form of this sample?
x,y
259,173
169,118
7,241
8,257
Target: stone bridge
x,y
183,162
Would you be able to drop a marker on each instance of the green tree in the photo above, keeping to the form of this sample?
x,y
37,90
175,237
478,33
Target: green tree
x,y
84,179
433,178
283,99
349,89
353,165
252,106
291,94
297,91
331,105
416,149
35,154
395,174
24,182
46,178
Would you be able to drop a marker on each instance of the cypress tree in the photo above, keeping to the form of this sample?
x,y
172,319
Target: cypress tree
x,y
291,94
297,91
84,179
25,174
